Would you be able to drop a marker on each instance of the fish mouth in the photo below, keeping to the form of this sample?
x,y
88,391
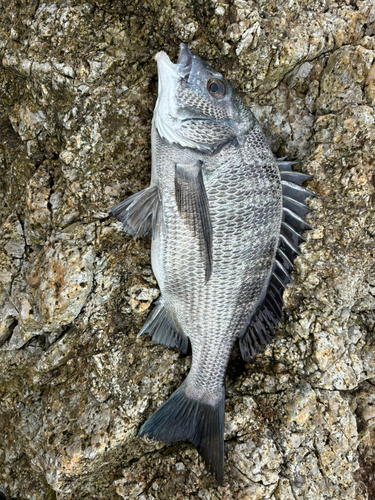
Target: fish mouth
x,y
184,63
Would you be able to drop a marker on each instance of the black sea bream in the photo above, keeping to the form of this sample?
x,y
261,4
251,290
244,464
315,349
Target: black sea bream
x,y
225,219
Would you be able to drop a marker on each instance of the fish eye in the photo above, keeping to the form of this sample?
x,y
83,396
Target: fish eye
x,y
216,88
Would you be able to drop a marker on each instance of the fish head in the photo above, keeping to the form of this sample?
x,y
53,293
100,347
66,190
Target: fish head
x,y
196,107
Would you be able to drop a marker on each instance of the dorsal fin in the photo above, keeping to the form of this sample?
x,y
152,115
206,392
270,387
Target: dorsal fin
x,y
265,321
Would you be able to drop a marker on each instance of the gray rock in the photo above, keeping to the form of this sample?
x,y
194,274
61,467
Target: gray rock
x,y
78,86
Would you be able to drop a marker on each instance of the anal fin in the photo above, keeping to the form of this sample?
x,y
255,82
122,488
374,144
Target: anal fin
x,y
161,329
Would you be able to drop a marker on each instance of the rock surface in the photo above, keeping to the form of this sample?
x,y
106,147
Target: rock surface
x,y
77,89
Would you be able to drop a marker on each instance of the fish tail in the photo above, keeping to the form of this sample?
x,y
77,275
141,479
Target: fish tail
x,y
182,417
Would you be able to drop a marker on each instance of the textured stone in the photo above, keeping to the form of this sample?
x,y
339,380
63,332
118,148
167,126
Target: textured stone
x,y
77,89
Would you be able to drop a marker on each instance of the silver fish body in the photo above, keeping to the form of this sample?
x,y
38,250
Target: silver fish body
x,y
219,252
244,195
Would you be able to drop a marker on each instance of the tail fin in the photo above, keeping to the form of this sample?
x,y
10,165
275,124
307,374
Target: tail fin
x,y
182,417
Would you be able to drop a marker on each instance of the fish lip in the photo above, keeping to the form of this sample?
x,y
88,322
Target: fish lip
x,y
162,57
184,63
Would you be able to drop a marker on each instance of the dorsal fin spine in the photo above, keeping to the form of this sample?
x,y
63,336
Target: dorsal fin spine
x,y
266,318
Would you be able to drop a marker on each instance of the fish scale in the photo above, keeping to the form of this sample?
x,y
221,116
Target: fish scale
x,y
200,299
226,220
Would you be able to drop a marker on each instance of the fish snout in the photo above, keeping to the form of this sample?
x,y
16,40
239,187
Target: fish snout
x,y
167,71
183,66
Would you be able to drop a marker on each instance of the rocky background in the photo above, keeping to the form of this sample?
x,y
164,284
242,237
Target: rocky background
x,y
78,85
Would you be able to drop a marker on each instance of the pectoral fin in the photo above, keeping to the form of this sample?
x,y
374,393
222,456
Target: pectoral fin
x,y
140,214
192,203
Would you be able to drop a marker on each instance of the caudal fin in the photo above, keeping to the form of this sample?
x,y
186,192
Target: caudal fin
x,y
181,418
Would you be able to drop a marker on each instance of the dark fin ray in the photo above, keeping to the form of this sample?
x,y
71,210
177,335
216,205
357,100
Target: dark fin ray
x,y
161,329
280,277
277,289
270,315
275,299
294,220
287,227
287,250
283,258
295,177
261,329
299,208
246,346
264,323
183,418
192,203
136,212
280,265
295,192
289,243
285,165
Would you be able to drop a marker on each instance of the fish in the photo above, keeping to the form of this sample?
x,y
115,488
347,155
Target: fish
x,y
226,219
